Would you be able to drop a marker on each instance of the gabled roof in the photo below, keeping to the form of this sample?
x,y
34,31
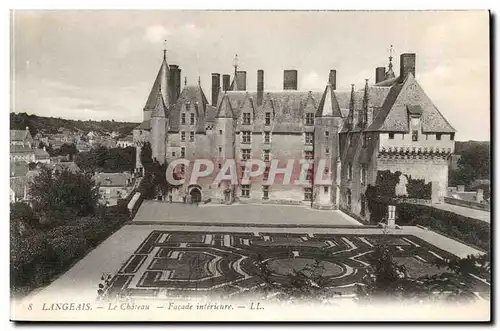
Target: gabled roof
x,y
16,149
393,116
41,154
20,135
225,109
194,95
112,179
18,168
145,125
160,109
160,84
328,105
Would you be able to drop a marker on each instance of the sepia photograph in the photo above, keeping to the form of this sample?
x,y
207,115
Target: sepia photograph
x,y
231,165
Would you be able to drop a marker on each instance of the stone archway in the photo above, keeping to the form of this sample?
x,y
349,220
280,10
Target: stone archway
x,y
195,195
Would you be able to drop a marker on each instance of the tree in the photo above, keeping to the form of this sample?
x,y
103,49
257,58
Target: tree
x,y
63,195
387,280
67,149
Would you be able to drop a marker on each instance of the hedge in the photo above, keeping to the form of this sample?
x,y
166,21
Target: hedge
x,y
468,230
41,254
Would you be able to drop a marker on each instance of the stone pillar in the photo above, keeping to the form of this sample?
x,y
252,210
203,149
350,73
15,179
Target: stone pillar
x,y
391,216
479,195
435,195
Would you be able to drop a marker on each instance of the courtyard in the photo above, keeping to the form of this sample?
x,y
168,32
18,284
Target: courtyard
x,y
215,250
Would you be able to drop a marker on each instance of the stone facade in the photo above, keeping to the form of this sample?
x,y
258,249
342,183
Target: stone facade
x,y
346,135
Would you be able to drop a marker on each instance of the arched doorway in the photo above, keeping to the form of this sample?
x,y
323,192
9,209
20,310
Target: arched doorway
x,y
195,195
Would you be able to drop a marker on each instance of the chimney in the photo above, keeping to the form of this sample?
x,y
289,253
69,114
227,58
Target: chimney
x,y
407,65
174,82
260,86
379,74
241,80
226,81
215,88
290,80
332,78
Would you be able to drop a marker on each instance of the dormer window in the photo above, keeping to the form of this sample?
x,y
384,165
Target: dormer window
x,y
191,119
414,135
183,118
309,119
268,119
246,118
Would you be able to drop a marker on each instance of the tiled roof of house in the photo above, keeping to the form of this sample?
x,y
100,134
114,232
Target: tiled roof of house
x,y
18,184
16,149
41,154
18,168
19,135
112,179
145,125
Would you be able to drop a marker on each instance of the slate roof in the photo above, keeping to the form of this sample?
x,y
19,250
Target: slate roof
x,y
328,105
393,116
145,125
162,79
193,95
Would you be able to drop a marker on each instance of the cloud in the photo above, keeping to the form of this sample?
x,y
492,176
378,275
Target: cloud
x,y
156,34
312,79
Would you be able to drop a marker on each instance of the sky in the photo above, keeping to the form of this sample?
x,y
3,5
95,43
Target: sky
x,y
101,65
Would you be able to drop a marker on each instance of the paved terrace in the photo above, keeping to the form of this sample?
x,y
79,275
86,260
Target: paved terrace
x,y
482,215
157,212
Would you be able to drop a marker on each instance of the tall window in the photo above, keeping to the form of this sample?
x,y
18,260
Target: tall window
x,y
309,119
266,154
183,136
414,135
363,174
220,150
325,189
327,134
191,119
307,193
268,119
364,139
246,118
309,138
309,175
349,139
349,171
191,136
183,118
265,192
452,136
438,136
245,191
246,137
348,198
267,137
362,199
327,152
266,173
220,132
309,155
183,152
245,154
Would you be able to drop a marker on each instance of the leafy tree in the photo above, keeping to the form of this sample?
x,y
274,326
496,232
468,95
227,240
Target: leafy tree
x,y
387,280
67,149
22,215
63,195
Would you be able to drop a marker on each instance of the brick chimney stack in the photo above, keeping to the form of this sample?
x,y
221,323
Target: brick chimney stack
x,y
226,82
407,65
215,88
241,80
260,86
379,74
332,78
290,80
